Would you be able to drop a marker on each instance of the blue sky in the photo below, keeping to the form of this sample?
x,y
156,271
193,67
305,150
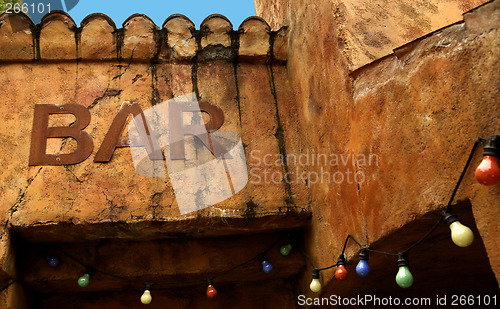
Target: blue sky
x,y
158,11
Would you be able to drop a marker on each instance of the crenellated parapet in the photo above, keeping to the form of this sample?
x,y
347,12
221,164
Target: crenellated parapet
x,y
97,38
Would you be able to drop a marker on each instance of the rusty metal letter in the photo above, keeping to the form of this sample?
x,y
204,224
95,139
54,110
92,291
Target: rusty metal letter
x,y
115,139
41,132
179,130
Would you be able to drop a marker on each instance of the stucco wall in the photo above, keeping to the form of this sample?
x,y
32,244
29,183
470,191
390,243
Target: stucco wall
x,y
149,68
99,67
419,109
367,30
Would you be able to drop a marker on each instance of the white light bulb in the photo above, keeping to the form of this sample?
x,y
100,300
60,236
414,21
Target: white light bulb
x,y
146,297
461,235
315,285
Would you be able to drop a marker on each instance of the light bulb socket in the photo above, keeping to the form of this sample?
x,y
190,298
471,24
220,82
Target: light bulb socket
x,y
403,260
295,238
148,286
261,258
492,146
315,274
448,216
363,254
210,281
341,260
90,271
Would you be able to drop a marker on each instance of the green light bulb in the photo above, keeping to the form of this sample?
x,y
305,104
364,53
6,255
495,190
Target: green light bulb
x,y
84,280
285,249
404,278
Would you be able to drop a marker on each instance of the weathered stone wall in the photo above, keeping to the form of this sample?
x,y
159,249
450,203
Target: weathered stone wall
x,y
368,30
419,109
148,65
99,67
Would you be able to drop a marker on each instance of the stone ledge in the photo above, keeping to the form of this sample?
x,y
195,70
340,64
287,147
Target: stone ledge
x,y
475,22
147,229
58,37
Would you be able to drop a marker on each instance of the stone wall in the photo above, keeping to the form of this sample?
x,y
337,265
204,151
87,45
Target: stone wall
x,y
148,65
367,30
99,67
303,90
419,109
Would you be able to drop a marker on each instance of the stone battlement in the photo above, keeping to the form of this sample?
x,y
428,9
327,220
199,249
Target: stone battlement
x,y
58,37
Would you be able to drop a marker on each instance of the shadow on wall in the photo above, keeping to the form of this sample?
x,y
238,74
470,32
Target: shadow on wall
x,y
439,267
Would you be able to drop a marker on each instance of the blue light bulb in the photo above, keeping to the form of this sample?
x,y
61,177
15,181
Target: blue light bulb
x,y
267,267
363,269
52,260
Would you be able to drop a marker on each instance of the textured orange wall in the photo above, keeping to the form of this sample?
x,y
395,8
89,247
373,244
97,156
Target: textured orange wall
x,y
100,67
149,66
419,109
367,30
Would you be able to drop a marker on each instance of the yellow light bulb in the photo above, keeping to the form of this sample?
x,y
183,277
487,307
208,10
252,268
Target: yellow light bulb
x,y
315,285
461,235
146,297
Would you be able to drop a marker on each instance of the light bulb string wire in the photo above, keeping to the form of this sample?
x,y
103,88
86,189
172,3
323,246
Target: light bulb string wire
x,y
151,284
452,197
24,270
448,206
250,260
8,284
93,269
464,171
418,242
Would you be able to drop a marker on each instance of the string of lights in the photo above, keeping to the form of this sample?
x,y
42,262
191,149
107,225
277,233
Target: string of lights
x,y
487,173
146,297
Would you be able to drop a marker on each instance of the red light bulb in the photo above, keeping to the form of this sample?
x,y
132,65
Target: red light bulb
x,y
488,172
341,273
211,291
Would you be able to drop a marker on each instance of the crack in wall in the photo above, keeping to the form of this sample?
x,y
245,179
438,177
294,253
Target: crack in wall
x,y
235,46
120,66
78,35
22,194
119,36
280,136
35,32
67,168
107,94
155,93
